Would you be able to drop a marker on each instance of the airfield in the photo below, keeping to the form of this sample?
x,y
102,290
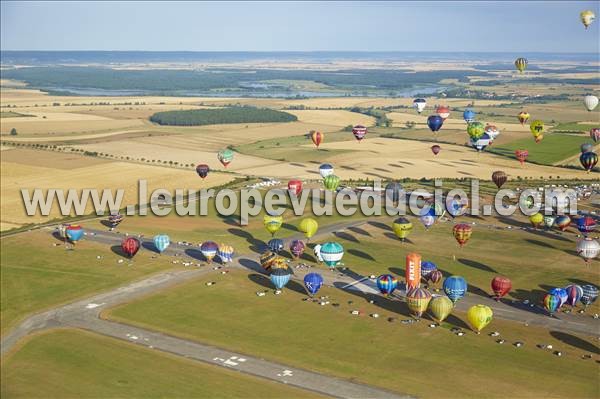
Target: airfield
x,y
89,322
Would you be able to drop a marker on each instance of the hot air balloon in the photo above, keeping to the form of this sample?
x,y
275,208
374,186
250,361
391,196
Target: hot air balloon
x,y
272,223
561,293
475,130
74,233
551,303
413,271
523,117
427,220
279,263
521,64
316,137
225,253
595,134
332,253
359,132
225,156
297,248
427,268
435,122
331,182
500,286
440,308
590,293
548,221
590,102
317,253
161,242
436,149
325,170
521,156
574,294
469,115
386,283
313,283
443,111
130,246
280,277
481,143
309,227
455,287
587,17
418,300
499,178
479,316
115,218
537,130
588,160
394,191
275,245
588,248
62,231
462,232
419,104
492,131
536,220
586,147
586,224
209,250
435,277
562,222
202,170
266,260
402,227
295,187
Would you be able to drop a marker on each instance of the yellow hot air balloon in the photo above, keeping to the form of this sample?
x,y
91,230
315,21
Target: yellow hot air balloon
x,y
402,227
521,64
309,227
272,223
279,263
537,129
440,308
537,219
587,17
479,316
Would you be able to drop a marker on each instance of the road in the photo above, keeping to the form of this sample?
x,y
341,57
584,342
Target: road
x,y
84,314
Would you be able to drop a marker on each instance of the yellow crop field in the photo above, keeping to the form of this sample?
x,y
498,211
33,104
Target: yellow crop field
x,y
333,118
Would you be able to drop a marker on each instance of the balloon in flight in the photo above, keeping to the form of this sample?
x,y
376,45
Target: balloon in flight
x,y
588,248
225,156
316,137
331,182
435,122
590,102
359,132
436,149
523,117
587,17
469,115
537,130
562,222
297,248
325,170
295,186
595,134
272,223
419,104
202,170
443,111
521,155
588,160
499,178
475,130
521,64
309,227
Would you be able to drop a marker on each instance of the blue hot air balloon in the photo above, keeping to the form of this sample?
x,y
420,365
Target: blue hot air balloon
x,y
280,277
435,122
386,283
161,242
427,268
325,170
313,283
455,287
469,115
481,143
275,245
561,293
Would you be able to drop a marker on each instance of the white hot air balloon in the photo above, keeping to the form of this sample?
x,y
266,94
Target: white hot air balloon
x,y
588,248
420,104
590,102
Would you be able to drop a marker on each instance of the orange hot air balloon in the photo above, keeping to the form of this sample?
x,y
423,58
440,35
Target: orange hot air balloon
x,y
462,232
316,137
413,271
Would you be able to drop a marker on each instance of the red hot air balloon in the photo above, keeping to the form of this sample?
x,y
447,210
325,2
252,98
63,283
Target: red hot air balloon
x,y
130,246
501,286
295,186
443,111
462,232
202,170
595,134
521,155
316,137
436,149
359,132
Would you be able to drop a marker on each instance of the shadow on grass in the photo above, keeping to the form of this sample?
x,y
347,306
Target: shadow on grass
x,y
345,236
150,247
393,237
394,306
360,254
476,265
358,230
380,225
265,281
195,254
576,342
252,265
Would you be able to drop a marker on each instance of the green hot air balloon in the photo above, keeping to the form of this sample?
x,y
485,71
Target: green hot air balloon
x,y
331,182
225,156
475,130
440,308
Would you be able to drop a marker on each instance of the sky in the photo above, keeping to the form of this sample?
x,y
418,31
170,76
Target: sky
x,y
502,26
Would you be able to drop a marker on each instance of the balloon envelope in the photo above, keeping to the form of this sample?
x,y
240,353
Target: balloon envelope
x,y
313,283
325,170
479,316
332,253
590,102
435,122
574,294
275,245
402,227
209,250
462,233
202,170
74,232
386,283
130,246
413,271
590,293
440,308
161,242
359,132
225,156
418,299
501,286
499,178
280,277
308,226
455,287
551,303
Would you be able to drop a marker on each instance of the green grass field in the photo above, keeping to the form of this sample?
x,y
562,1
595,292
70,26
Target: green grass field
x,y
552,149
11,114
573,127
76,364
411,359
37,275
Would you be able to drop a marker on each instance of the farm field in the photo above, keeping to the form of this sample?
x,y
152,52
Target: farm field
x,y
230,315
73,363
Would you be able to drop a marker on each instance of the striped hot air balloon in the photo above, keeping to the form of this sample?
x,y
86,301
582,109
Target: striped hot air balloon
x,y
331,182
275,245
499,178
115,218
266,260
316,137
521,64
561,293
386,283
209,250
332,253
562,222
588,160
588,248
418,301
574,294
130,246
272,223
551,303
280,277
359,132
225,253
434,278
590,293
595,134
586,224
161,242
521,156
